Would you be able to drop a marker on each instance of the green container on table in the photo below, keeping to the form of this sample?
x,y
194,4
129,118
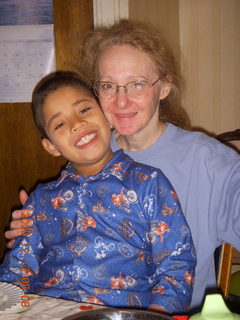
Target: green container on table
x,y
214,308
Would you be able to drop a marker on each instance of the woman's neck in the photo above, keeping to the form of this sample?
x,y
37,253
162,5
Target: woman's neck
x,y
140,140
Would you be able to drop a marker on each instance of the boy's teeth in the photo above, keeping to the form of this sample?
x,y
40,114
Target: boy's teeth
x,y
86,139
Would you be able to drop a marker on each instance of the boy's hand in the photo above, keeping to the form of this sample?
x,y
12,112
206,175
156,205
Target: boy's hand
x,y
16,224
155,308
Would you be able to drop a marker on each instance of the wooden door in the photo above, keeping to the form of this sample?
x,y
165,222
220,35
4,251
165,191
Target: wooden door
x,y
23,160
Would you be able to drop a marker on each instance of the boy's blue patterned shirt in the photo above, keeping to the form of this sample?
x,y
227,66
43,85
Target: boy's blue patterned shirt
x,y
118,238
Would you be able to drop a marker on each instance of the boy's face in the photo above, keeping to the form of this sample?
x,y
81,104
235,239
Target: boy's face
x,y
77,129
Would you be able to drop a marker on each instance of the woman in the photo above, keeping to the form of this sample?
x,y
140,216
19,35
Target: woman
x,y
136,79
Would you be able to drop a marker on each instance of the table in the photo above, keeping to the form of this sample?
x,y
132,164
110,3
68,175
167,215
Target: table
x,y
43,308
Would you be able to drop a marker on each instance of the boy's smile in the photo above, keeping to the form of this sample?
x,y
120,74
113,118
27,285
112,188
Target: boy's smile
x,y
77,129
85,139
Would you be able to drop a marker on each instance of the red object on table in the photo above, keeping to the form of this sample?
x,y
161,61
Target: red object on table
x,y
181,317
86,307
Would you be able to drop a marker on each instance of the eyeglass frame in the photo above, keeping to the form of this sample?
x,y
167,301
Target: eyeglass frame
x,y
122,86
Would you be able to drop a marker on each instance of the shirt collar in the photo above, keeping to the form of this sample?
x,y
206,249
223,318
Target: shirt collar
x,y
117,166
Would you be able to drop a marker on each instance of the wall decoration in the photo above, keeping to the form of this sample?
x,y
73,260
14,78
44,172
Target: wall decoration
x,y
26,47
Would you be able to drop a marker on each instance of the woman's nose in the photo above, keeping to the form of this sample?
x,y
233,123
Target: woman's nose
x,y
76,125
121,98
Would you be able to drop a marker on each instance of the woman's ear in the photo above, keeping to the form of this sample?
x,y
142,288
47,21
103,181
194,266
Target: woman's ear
x,y
49,146
165,90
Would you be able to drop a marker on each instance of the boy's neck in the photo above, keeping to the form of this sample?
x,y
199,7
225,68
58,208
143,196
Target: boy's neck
x,y
92,169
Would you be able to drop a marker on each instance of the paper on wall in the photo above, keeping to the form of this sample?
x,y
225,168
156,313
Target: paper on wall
x,y
26,55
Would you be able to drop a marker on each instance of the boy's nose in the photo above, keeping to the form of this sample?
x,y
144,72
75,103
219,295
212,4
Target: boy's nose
x,y
77,125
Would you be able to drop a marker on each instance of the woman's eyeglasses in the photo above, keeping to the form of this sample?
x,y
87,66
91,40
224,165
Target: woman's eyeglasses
x,y
107,90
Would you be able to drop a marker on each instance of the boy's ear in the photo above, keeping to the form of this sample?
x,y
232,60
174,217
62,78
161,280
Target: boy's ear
x,y
49,146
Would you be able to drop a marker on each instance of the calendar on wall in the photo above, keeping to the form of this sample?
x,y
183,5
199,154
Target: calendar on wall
x,y
26,55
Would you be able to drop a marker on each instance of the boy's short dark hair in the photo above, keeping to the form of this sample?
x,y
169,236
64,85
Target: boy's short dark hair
x,y
49,84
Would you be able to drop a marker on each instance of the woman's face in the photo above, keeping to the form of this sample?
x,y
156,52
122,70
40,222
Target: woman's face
x,y
121,64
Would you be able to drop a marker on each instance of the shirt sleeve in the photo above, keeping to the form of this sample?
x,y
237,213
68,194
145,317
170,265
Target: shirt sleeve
x,y
21,264
173,252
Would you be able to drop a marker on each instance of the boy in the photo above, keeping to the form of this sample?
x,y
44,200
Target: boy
x,y
108,231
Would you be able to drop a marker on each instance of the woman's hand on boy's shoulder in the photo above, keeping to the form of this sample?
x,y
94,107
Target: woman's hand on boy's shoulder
x,y
16,224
